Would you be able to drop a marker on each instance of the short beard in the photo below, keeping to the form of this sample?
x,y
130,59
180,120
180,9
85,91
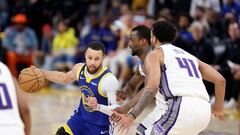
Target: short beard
x,y
93,72
135,53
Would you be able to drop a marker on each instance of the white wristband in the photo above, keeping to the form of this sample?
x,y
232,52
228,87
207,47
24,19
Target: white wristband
x,y
98,107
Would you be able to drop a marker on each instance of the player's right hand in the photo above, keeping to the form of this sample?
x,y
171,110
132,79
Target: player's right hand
x,y
218,114
34,67
121,96
92,103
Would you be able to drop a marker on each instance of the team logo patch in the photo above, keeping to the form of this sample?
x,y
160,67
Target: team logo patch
x,y
86,91
158,129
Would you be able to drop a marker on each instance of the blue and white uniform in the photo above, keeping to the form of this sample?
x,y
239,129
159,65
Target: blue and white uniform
x,y
85,121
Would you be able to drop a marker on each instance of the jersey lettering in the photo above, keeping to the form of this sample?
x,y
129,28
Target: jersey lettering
x,y
189,65
5,101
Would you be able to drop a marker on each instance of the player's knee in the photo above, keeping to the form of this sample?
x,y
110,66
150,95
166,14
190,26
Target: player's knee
x,y
61,131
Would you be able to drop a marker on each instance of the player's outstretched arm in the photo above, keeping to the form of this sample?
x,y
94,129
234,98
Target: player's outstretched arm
x,y
61,77
23,109
211,75
153,74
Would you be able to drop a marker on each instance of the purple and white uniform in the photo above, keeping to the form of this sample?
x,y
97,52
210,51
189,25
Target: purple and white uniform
x,y
182,87
10,122
146,125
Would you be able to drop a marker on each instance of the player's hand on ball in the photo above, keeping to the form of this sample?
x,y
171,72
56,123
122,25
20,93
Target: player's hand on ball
x,y
35,68
92,103
31,80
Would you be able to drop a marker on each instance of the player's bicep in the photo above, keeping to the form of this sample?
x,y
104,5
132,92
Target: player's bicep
x,y
153,72
72,74
209,73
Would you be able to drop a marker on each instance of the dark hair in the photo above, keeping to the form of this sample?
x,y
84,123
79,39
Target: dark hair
x,y
143,32
164,31
96,46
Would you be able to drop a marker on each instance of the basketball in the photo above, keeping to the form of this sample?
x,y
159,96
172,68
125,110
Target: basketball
x,y
31,80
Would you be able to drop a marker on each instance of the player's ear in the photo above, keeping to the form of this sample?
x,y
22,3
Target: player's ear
x,y
154,40
103,53
144,41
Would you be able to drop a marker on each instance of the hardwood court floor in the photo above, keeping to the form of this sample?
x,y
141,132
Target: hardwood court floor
x,y
51,108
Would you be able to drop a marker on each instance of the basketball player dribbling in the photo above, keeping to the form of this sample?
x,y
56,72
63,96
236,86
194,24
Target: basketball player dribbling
x,y
96,83
178,76
14,111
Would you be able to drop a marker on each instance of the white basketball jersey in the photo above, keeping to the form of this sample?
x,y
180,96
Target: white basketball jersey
x,y
140,70
180,74
9,113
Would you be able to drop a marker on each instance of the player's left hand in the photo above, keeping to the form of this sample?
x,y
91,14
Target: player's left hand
x,y
121,96
92,103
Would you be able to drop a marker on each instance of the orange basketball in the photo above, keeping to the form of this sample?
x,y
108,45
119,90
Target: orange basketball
x,y
31,80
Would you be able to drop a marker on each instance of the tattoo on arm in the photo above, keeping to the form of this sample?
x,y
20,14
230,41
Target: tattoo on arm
x,y
147,96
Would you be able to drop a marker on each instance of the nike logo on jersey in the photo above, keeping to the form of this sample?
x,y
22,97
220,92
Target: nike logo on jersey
x,y
93,83
103,132
81,78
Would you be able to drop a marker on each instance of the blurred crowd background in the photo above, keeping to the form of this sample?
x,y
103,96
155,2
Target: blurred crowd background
x,y
53,34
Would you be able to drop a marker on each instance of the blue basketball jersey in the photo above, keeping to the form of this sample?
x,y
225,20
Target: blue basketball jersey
x,y
90,87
